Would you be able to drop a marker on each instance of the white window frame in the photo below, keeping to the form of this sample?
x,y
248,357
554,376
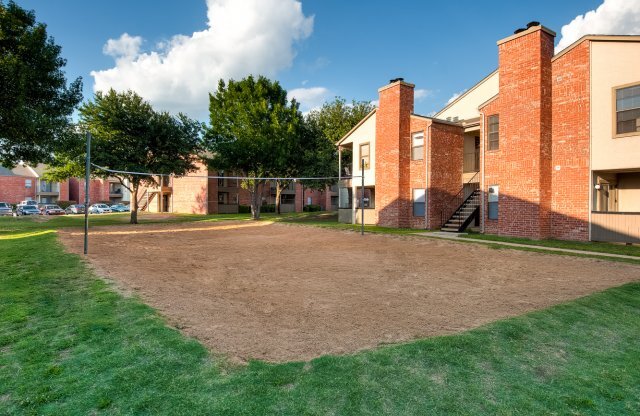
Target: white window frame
x,y
419,196
417,145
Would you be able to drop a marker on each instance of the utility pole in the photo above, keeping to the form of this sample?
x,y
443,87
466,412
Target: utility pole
x,y
87,177
362,200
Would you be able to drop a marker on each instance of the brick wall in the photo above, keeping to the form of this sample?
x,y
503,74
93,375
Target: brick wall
x,y
522,165
393,154
64,191
570,166
445,152
212,194
12,189
190,193
98,190
417,168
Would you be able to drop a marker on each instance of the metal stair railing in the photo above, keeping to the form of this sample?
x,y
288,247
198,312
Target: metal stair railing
x,y
456,202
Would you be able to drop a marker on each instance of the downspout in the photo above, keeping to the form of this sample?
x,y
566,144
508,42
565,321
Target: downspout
x,y
339,179
590,178
482,187
427,140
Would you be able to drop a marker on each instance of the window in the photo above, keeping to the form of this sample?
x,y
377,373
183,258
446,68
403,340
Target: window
x,y
27,183
364,154
287,199
494,126
418,202
223,198
221,178
417,146
493,202
628,110
369,198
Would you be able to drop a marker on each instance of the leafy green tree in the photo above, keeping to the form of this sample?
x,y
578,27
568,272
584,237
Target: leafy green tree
x,y
254,130
128,135
35,101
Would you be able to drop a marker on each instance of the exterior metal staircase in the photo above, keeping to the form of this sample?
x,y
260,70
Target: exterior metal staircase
x,y
462,208
145,199
465,214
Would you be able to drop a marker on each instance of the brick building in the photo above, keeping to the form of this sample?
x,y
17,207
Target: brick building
x,y
208,191
546,146
25,182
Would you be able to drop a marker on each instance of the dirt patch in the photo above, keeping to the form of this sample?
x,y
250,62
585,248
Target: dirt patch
x,y
278,293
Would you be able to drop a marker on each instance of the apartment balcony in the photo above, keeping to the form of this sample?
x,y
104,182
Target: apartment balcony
x,y
48,189
471,162
616,214
116,191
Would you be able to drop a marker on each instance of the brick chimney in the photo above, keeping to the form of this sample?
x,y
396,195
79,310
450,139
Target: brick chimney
x,y
393,151
525,129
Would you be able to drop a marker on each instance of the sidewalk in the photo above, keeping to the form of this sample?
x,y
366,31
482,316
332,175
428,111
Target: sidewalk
x,y
456,236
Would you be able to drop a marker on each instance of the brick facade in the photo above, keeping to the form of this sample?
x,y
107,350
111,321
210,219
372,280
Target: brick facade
x,y
190,193
98,190
524,110
13,190
542,165
571,145
393,155
445,150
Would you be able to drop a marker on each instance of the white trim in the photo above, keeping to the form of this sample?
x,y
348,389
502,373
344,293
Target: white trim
x,y
590,176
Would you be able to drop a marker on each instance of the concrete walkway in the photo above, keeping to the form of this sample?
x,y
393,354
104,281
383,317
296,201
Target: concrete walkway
x,y
456,236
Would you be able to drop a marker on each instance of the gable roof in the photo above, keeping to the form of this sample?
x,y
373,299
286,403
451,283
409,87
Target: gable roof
x,y
598,38
360,123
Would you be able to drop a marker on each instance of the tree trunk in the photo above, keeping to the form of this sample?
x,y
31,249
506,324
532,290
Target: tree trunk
x,y
255,201
134,209
279,187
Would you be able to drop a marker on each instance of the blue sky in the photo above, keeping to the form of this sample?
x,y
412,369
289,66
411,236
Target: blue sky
x,y
317,51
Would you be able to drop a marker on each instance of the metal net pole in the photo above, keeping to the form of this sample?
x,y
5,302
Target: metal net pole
x,y
87,176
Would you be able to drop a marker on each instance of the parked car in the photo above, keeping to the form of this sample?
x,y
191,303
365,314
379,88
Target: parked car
x,y
99,209
49,209
29,209
5,209
120,208
75,209
28,202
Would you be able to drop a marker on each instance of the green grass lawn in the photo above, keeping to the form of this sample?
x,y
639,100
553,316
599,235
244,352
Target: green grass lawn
x,y
611,248
71,345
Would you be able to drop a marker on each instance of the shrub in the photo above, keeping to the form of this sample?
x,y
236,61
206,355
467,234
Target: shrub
x,y
244,209
312,208
268,208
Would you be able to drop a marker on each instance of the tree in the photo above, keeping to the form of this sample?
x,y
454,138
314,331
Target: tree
x,y
35,102
128,135
254,130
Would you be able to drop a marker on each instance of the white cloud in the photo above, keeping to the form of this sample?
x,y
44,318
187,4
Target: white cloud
x,y
375,103
242,38
612,17
126,47
420,94
309,98
455,96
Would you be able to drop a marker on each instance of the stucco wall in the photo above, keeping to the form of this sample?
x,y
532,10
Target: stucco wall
x,y
629,192
612,64
365,133
467,106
